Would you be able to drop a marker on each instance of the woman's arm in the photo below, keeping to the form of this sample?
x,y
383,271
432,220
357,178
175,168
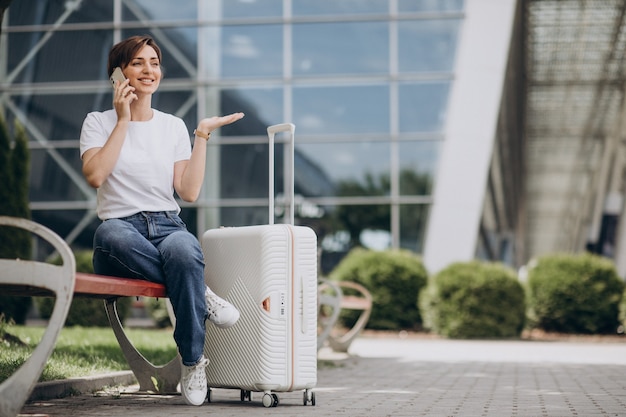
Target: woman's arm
x,y
189,175
98,163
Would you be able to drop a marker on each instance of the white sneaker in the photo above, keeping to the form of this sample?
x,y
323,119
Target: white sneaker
x,y
193,382
220,312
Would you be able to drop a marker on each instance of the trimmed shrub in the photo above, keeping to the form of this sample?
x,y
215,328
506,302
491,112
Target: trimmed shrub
x,y
393,277
470,300
84,311
574,294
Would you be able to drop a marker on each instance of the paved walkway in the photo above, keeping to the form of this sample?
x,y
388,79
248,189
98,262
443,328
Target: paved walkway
x,y
414,377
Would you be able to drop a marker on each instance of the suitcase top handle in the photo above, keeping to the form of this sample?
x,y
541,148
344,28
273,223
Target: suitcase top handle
x,y
289,189
283,127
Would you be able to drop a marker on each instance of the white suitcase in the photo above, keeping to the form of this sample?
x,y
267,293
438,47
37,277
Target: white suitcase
x,y
269,273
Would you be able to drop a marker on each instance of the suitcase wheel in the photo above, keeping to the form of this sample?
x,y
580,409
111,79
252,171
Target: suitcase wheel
x,y
270,400
308,397
246,395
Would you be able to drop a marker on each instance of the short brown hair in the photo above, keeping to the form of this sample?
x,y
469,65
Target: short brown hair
x,y
123,52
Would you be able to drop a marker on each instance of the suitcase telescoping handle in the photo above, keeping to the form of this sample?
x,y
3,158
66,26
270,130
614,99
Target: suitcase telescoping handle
x,y
289,193
289,189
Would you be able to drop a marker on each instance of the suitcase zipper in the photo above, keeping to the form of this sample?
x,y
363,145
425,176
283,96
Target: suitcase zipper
x,y
293,308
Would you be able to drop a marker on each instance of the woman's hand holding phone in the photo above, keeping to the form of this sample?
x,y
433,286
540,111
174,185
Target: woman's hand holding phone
x,y
117,75
123,94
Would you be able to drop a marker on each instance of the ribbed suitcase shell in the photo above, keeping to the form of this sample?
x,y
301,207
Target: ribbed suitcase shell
x,y
269,273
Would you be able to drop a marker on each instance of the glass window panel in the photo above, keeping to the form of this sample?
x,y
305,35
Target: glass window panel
x,y
37,12
413,220
65,56
343,169
429,5
339,7
48,181
341,109
344,227
251,8
263,107
340,48
155,10
60,117
243,216
178,104
255,215
179,63
427,45
244,170
252,51
64,222
418,164
423,106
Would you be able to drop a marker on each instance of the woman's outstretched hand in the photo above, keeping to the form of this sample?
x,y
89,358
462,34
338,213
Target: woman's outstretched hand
x,y
211,123
189,174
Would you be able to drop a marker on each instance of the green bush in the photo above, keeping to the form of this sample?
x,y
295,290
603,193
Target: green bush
x,y
469,300
574,294
15,307
393,277
157,309
84,311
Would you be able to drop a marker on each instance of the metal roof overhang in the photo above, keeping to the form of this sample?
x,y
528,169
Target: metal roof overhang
x,y
574,128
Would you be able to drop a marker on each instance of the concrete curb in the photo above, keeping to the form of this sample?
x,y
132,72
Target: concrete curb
x,y
73,386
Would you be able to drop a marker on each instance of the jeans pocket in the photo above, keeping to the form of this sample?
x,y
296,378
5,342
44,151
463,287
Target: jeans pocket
x,y
175,218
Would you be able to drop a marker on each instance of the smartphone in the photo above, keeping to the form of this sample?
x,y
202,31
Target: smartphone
x,y
117,75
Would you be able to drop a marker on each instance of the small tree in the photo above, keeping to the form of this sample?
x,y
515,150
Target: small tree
x,y
14,172
14,243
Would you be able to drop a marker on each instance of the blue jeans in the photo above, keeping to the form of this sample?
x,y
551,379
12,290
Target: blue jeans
x,y
156,246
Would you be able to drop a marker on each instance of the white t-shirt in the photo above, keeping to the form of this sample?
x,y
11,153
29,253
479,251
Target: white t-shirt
x,y
143,178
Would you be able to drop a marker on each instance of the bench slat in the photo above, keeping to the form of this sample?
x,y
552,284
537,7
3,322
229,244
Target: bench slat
x,y
99,286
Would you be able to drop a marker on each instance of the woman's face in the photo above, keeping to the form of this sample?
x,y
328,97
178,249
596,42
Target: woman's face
x,y
144,71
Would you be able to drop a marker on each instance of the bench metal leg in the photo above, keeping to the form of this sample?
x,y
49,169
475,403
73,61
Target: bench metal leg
x,y
329,296
363,302
151,378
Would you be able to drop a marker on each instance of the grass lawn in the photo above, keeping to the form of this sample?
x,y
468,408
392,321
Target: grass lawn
x,y
83,351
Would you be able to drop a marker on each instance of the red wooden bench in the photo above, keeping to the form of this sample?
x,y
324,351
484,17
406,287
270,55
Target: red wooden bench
x,y
151,378
100,286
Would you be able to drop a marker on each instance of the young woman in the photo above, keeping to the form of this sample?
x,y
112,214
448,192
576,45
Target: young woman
x,y
136,157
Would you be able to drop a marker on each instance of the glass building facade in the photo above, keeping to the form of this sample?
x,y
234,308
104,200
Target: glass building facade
x,y
366,82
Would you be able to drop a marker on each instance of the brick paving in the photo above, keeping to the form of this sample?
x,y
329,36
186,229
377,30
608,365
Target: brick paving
x,y
412,377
